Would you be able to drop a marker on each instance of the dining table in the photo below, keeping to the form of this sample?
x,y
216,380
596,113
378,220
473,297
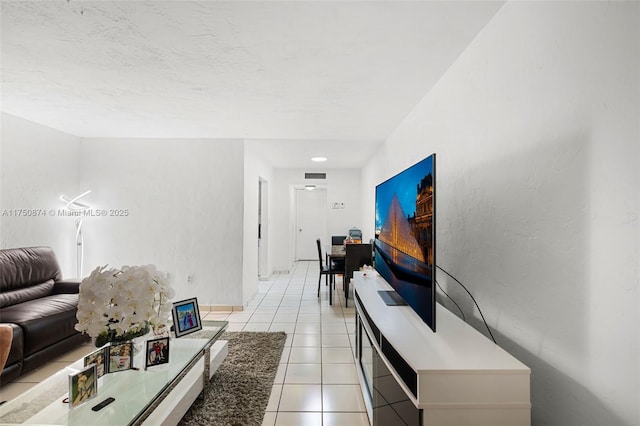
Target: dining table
x,y
337,251
338,255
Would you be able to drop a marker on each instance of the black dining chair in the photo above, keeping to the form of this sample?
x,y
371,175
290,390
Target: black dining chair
x,y
357,256
328,272
337,263
337,240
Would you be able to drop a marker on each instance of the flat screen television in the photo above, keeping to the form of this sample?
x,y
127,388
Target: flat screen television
x,y
405,244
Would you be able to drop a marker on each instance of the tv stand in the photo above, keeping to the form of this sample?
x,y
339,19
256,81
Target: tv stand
x,y
411,375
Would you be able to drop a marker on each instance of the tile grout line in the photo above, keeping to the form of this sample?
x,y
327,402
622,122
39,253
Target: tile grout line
x,y
287,364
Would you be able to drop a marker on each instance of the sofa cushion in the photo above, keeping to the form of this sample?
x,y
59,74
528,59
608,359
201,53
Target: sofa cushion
x,y
25,267
44,356
13,297
44,321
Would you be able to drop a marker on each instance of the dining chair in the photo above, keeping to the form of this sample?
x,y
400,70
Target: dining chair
x,y
337,263
337,240
357,256
327,271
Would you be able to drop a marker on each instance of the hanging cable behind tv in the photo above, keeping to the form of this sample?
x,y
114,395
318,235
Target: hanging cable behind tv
x,y
472,298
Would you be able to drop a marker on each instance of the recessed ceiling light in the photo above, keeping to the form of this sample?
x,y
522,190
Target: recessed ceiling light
x,y
319,159
309,187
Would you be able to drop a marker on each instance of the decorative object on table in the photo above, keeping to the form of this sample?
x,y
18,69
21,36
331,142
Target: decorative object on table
x,y
83,386
162,331
117,305
157,352
98,358
186,317
355,235
120,357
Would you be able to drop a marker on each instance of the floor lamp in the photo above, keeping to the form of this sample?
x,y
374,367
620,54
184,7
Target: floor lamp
x,y
77,208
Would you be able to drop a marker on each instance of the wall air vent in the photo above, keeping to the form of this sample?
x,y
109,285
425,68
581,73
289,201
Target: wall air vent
x,y
315,175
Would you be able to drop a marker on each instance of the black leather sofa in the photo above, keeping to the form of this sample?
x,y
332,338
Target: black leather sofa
x,y
39,306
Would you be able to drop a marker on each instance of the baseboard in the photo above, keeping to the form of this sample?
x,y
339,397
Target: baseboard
x,y
218,308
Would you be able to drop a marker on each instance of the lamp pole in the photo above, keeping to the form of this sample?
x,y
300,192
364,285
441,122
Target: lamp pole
x,y
75,206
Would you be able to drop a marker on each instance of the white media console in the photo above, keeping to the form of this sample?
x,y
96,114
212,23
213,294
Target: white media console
x,y
411,375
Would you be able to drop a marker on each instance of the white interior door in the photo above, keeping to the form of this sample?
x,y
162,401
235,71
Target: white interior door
x,y
311,222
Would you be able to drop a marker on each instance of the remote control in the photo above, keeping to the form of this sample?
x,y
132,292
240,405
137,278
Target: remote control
x,y
103,404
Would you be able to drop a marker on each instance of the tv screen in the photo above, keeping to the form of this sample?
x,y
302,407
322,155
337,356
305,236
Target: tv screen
x,y
405,246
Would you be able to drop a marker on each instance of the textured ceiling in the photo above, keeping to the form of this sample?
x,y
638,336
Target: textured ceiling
x,y
295,71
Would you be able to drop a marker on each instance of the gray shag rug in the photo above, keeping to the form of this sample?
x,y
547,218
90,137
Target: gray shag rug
x,y
239,391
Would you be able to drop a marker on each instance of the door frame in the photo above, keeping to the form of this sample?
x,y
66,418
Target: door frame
x,y
263,229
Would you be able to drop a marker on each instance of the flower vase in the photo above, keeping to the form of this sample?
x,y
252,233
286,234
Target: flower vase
x,y
140,341
112,338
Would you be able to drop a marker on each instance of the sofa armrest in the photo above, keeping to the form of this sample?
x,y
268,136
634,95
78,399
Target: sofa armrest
x,y
68,286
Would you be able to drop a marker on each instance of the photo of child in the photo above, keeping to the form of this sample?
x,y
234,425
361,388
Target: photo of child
x,y
96,358
120,357
157,352
186,317
83,386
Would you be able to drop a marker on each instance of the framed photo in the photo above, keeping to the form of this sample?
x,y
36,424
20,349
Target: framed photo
x,y
186,317
99,359
83,386
120,357
157,352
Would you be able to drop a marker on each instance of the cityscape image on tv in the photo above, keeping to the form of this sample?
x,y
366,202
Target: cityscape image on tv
x,y
404,213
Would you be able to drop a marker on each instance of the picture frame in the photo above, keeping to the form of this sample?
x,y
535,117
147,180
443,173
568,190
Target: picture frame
x,y
120,357
157,352
83,386
186,317
98,358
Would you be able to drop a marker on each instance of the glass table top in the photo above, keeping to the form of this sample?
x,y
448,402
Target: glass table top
x,y
134,390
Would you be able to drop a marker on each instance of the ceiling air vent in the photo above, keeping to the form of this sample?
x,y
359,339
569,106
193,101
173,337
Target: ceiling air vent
x,y
315,175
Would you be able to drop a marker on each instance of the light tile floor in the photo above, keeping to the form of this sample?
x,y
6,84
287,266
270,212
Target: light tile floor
x,y
316,382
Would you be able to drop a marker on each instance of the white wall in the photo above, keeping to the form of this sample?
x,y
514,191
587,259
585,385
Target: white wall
x,y
536,128
185,211
185,202
373,174
37,165
342,185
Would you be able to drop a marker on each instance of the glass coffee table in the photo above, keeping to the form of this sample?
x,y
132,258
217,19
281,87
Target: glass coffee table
x,y
142,396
